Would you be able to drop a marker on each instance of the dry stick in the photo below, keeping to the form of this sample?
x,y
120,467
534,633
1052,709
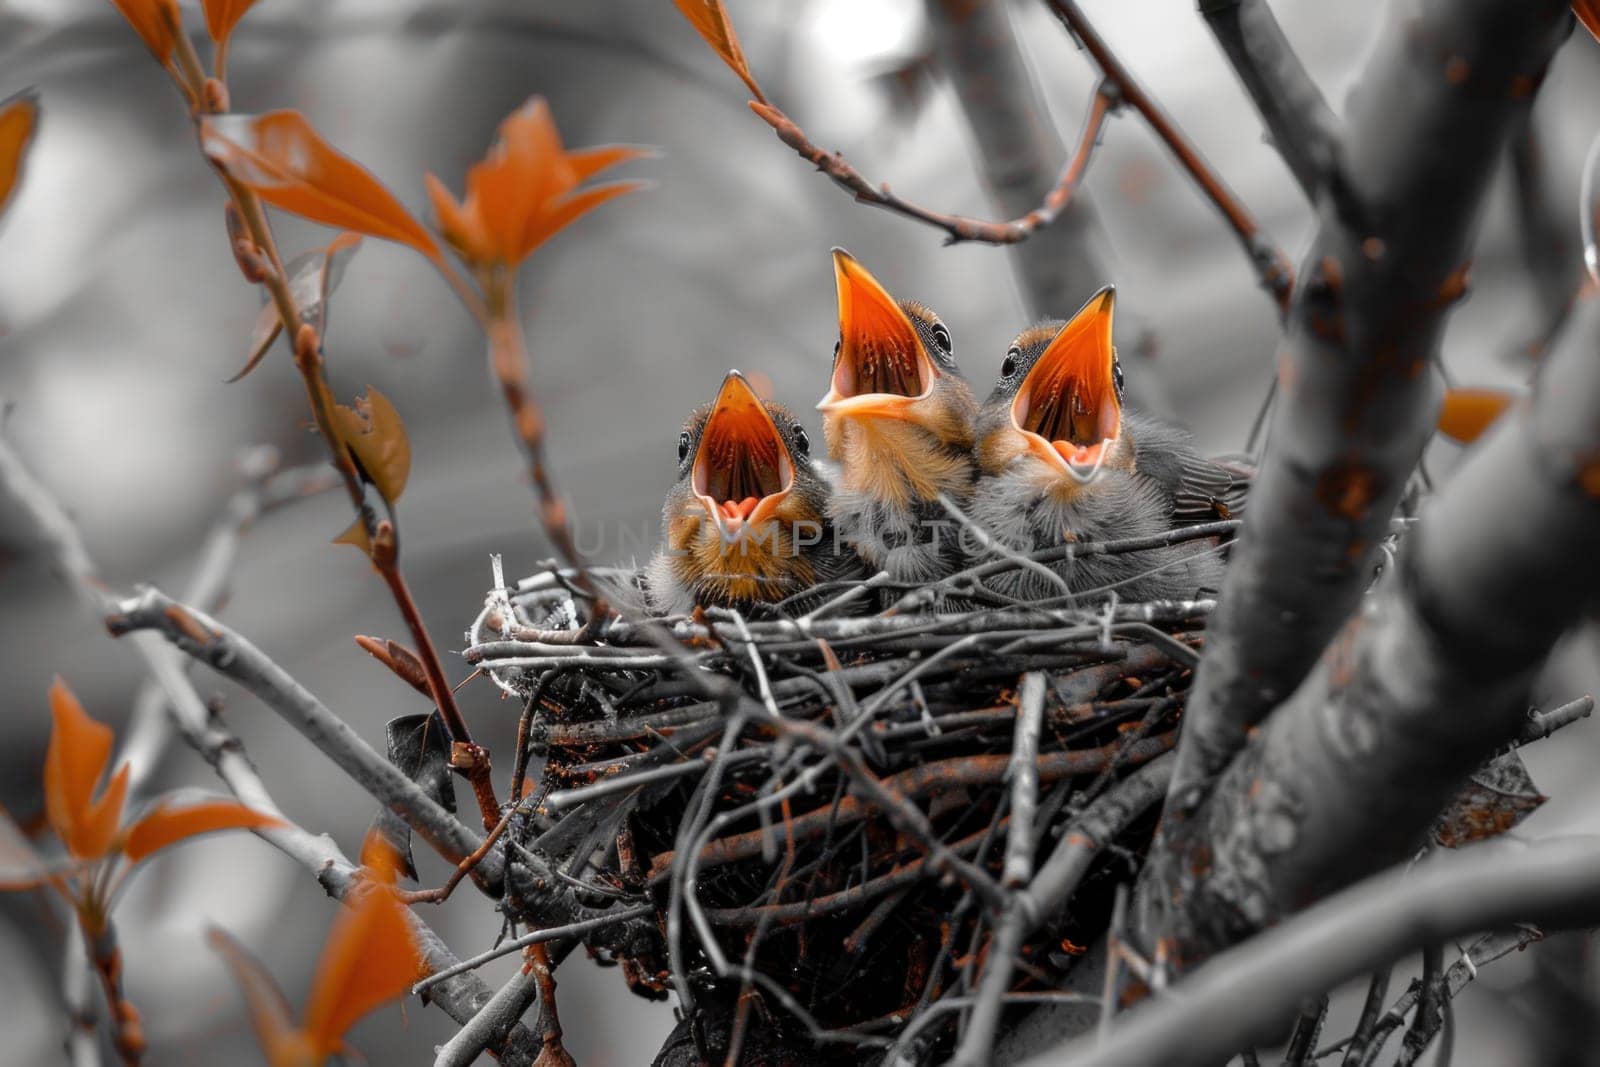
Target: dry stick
x,y
317,853
1273,267
382,536
1241,996
943,775
1302,127
1303,1038
1431,114
1050,890
1366,1026
484,1029
957,228
536,937
1430,1008
1017,868
1428,682
230,655
1018,150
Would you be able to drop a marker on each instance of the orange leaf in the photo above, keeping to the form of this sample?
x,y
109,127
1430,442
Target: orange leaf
x,y
99,831
163,826
223,15
355,534
1467,413
19,118
312,276
73,764
283,159
711,22
376,438
524,191
370,958
153,20
1588,12
264,1001
380,860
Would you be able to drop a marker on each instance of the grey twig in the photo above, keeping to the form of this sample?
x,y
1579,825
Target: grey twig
x,y
1429,118
1024,778
535,937
1080,843
492,1023
1242,996
1019,151
230,655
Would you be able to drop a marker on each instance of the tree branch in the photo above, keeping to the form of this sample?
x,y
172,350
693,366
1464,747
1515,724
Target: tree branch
x,y
1432,113
230,655
1431,680
1018,150
1273,267
1302,126
1244,996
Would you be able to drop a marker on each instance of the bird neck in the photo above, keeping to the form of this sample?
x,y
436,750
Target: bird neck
x,y
901,463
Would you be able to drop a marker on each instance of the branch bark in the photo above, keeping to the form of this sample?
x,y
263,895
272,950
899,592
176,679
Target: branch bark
x,y
1349,773
1301,125
1428,120
1019,151
1244,996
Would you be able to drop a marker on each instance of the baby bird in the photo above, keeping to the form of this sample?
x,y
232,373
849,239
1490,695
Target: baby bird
x,y
897,419
1061,460
746,522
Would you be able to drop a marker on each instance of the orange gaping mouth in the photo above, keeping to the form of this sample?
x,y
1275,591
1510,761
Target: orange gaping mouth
x,y
742,471
1067,407
881,368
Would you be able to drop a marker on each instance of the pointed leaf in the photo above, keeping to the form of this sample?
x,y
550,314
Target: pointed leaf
x,y
153,20
1498,796
1588,12
99,832
223,15
417,746
712,23
19,118
264,1001
312,277
165,826
376,437
282,158
356,534
569,210
1467,413
73,764
370,958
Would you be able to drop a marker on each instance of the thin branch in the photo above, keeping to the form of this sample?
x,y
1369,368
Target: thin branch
x,y
535,937
1416,692
230,655
1272,266
460,998
1023,773
957,228
1018,150
1436,103
1242,996
488,1027
1050,890
1302,126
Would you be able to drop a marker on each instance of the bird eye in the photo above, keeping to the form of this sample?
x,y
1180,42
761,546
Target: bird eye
x,y
941,336
683,446
1008,366
802,443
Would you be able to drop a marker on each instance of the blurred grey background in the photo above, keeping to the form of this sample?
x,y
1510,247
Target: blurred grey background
x,y
121,313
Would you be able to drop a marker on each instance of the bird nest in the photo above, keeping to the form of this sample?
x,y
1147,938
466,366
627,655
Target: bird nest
x,y
819,820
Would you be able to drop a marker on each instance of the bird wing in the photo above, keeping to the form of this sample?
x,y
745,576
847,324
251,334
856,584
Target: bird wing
x,y
1200,489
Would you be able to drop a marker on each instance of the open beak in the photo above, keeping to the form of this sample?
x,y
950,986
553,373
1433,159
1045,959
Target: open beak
x,y
1067,407
742,470
881,368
